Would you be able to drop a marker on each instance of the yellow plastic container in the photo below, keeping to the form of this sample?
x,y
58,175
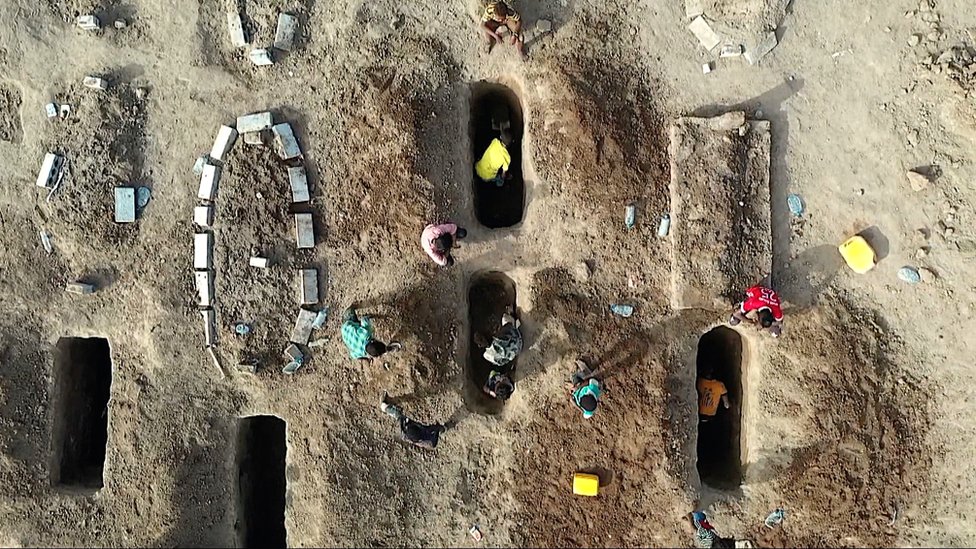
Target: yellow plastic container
x,y
858,254
585,484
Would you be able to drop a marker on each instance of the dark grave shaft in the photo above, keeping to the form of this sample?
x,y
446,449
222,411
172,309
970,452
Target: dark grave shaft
x,y
719,439
490,295
496,207
82,386
261,452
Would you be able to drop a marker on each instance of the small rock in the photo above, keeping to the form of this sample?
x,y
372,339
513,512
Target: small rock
x,y
927,275
949,232
887,29
543,25
914,40
921,253
141,93
918,181
909,14
860,192
933,36
397,22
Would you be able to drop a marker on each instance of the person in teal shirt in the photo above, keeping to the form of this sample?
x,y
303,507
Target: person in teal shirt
x,y
586,389
357,334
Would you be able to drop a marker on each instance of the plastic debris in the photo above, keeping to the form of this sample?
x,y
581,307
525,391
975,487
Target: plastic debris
x,y
46,242
475,532
143,195
291,367
200,163
65,110
630,215
622,310
51,109
320,319
707,67
909,275
664,226
120,24
242,328
795,204
775,518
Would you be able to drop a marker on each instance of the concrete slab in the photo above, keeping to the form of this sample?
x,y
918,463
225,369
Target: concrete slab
x,y
208,182
285,141
704,33
299,184
303,327
285,32
50,167
203,251
88,22
254,122
205,287
304,230
226,136
236,29
125,204
261,57
79,288
293,353
95,83
203,215
209,326
721,234
308,286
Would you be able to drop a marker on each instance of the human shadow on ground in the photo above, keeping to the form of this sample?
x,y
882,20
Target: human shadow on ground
x,y
808,274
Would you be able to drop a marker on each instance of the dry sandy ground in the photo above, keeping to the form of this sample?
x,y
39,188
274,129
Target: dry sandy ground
x,y
862,407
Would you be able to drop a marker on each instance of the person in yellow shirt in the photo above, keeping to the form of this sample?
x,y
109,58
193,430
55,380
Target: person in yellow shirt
x,y
710,392
494,164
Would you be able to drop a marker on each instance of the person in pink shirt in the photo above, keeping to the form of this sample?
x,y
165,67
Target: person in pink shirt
x,y
438,239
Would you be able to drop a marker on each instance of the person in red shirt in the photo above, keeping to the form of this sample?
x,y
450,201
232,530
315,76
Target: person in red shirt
x,y
765,303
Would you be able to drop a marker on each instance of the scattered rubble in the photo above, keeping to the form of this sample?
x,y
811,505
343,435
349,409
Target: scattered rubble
x,y
917,180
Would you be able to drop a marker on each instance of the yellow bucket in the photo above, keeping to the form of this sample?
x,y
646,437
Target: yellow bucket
x,y
585,484
858,254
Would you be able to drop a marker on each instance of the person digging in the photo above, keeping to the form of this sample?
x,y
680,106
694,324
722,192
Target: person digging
x,y
764,303
495,162
357,334
414,432
586,389
438,239
497,14
501,353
